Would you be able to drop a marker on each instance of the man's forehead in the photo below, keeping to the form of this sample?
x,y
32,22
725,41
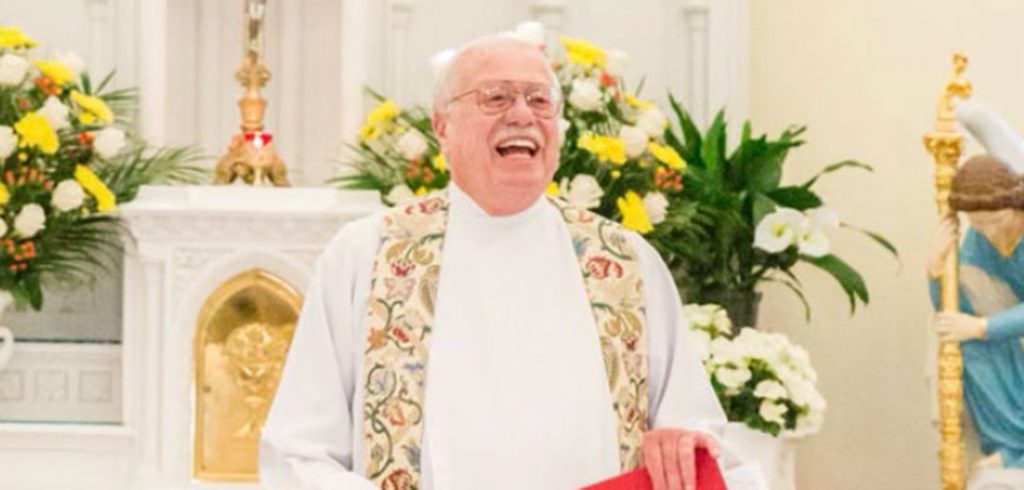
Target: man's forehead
x,y
501,61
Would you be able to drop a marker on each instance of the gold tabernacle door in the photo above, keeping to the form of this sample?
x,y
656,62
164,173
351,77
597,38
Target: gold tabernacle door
x,y
241,339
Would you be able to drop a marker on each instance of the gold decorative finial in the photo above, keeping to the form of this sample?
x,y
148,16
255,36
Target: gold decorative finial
x,y
955,87
251,156
945,145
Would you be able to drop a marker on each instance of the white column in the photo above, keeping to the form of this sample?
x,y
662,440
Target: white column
x,y
152,21
695,76
143,335
101,39
355,50
551,13
729,44
397,21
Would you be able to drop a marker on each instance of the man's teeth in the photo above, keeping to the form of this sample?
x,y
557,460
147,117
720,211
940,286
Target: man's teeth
x,y
521,143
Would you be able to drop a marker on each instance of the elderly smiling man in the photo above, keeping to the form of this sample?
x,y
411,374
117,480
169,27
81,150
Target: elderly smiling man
x,y
489,337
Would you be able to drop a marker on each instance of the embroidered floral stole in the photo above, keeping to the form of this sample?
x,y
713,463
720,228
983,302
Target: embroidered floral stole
x,y
400,316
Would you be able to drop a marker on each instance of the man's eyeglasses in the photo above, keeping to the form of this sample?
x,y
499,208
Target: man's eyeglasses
x,y
496,97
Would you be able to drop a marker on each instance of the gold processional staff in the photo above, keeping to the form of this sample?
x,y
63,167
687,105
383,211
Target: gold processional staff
x,y
945,145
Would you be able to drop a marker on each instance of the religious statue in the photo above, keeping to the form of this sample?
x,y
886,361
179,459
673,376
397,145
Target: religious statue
x,y
989,321
251,157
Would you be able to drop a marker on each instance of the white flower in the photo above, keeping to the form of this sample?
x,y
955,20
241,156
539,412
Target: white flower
x,y
439,62
67,195
531,32
583,192
585,95
55,113
809,424
697,316
400,194
3,230
813,242
653,121
656,206
12,69
823,217
777,231
773,412
770,389
412,144
563,126
635,140
615,63
74,62
732,377
8,141
702,344
724,352
720,320
30,220
108,141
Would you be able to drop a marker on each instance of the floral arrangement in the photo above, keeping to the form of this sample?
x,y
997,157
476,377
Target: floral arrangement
x,y
761,379
66,164
722,221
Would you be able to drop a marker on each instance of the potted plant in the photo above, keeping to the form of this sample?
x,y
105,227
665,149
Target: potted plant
x,y
736,224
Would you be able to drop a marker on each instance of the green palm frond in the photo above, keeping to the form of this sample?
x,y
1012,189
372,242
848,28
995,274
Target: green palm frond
x,y
143,165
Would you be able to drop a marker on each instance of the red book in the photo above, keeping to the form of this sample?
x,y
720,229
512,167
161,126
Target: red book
x,y
708,477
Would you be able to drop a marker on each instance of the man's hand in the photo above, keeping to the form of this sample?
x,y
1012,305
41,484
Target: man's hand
x,y
957,327
669,457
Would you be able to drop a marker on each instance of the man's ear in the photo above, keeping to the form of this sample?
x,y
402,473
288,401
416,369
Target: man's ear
x,y
439,123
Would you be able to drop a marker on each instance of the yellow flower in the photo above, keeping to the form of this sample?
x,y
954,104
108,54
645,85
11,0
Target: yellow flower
x,y
637,103
93,108
667,155
583,52
36,131
634,215
379,120
12,37
439,163
421,191
608,148
56,71
105,200
552,189
5,195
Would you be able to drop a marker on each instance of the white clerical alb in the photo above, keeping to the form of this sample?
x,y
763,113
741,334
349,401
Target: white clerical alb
x,y
516,395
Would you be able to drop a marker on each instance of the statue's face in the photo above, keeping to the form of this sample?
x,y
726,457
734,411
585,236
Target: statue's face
x,y
990,222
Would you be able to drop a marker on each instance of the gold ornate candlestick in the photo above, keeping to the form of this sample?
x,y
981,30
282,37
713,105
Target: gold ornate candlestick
x,y
945,144
251,156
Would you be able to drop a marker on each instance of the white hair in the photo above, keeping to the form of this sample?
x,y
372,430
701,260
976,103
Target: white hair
x,y
445,60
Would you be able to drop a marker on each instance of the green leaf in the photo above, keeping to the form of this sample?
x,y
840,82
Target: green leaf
x,y
691,136
762,206
35,291
712,151
837,166
885,243
850,280
799,294
795,197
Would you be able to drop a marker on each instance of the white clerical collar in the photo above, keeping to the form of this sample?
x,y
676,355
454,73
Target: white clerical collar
x,y
464,206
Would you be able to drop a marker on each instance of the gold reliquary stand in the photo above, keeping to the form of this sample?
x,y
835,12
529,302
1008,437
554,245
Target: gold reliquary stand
x,y
251,157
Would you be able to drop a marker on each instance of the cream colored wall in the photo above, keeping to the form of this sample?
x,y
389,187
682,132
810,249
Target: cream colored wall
x,y
865,76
